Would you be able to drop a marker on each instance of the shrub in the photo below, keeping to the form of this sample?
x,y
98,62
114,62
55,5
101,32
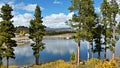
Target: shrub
x,y
92,62
55,64
107,64
72,57
2,66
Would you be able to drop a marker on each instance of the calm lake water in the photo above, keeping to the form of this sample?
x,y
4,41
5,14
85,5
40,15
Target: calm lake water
x,y
55,49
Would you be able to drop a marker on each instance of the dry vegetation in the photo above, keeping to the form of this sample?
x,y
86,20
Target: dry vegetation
x,y
92,63
96,63
55,64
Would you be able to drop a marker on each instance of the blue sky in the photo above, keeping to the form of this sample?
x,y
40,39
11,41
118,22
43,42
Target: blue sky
x,y
53,6
54,12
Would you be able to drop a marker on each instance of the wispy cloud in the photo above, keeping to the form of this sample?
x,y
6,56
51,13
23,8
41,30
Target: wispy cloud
x,y
97,9
118,1
118,18
29,7
7,1
57,2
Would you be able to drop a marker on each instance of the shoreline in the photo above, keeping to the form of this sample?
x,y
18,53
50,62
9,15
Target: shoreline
x,y
23,40
60,35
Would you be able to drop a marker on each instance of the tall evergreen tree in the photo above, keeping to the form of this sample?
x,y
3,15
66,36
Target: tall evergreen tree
x,y
83,21
106,21
88,22
94,32
76,22
109,11
97,39
97,35
114,12
2,39
37,31
7,32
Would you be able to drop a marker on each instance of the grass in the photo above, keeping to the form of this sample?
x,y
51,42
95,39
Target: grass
x,y
13,67
55,64
92,63
2,66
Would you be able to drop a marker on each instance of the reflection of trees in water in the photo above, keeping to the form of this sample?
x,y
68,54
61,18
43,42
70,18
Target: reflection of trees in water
x,y
60,47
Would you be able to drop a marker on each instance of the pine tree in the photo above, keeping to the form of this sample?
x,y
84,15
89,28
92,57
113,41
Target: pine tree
x,y
37,31
83,21
88,22
106,21
72,57
97,35
93,31
97,39
114,11
7,32
76,22
1,55
109,11
2,39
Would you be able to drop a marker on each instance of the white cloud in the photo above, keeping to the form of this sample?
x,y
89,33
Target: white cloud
x,y
57,2
22,19
108,0
0,19
1,4
29,7
57,20
7,1
118,1
118,18
53,21
97,9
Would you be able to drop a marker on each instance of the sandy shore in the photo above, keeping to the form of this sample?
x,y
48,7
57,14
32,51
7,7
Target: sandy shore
x,y
60,36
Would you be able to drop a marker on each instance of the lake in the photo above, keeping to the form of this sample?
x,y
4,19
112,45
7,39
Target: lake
x,y
55,49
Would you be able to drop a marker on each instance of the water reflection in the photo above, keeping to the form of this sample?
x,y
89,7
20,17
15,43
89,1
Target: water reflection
x,y
55,49
24,50
60,46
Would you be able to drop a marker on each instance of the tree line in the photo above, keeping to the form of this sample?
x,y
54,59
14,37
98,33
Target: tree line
x,y
93,27
24,29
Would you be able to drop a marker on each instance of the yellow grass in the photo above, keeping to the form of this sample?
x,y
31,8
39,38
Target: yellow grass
x,y
13,67
55,64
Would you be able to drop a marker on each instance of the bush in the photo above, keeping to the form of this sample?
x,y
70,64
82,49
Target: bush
x,y
72,57
2,66
92,62
55,64
96,63
107,64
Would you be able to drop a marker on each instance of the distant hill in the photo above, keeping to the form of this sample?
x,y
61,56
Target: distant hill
x,y
49,31
59,29
55,31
